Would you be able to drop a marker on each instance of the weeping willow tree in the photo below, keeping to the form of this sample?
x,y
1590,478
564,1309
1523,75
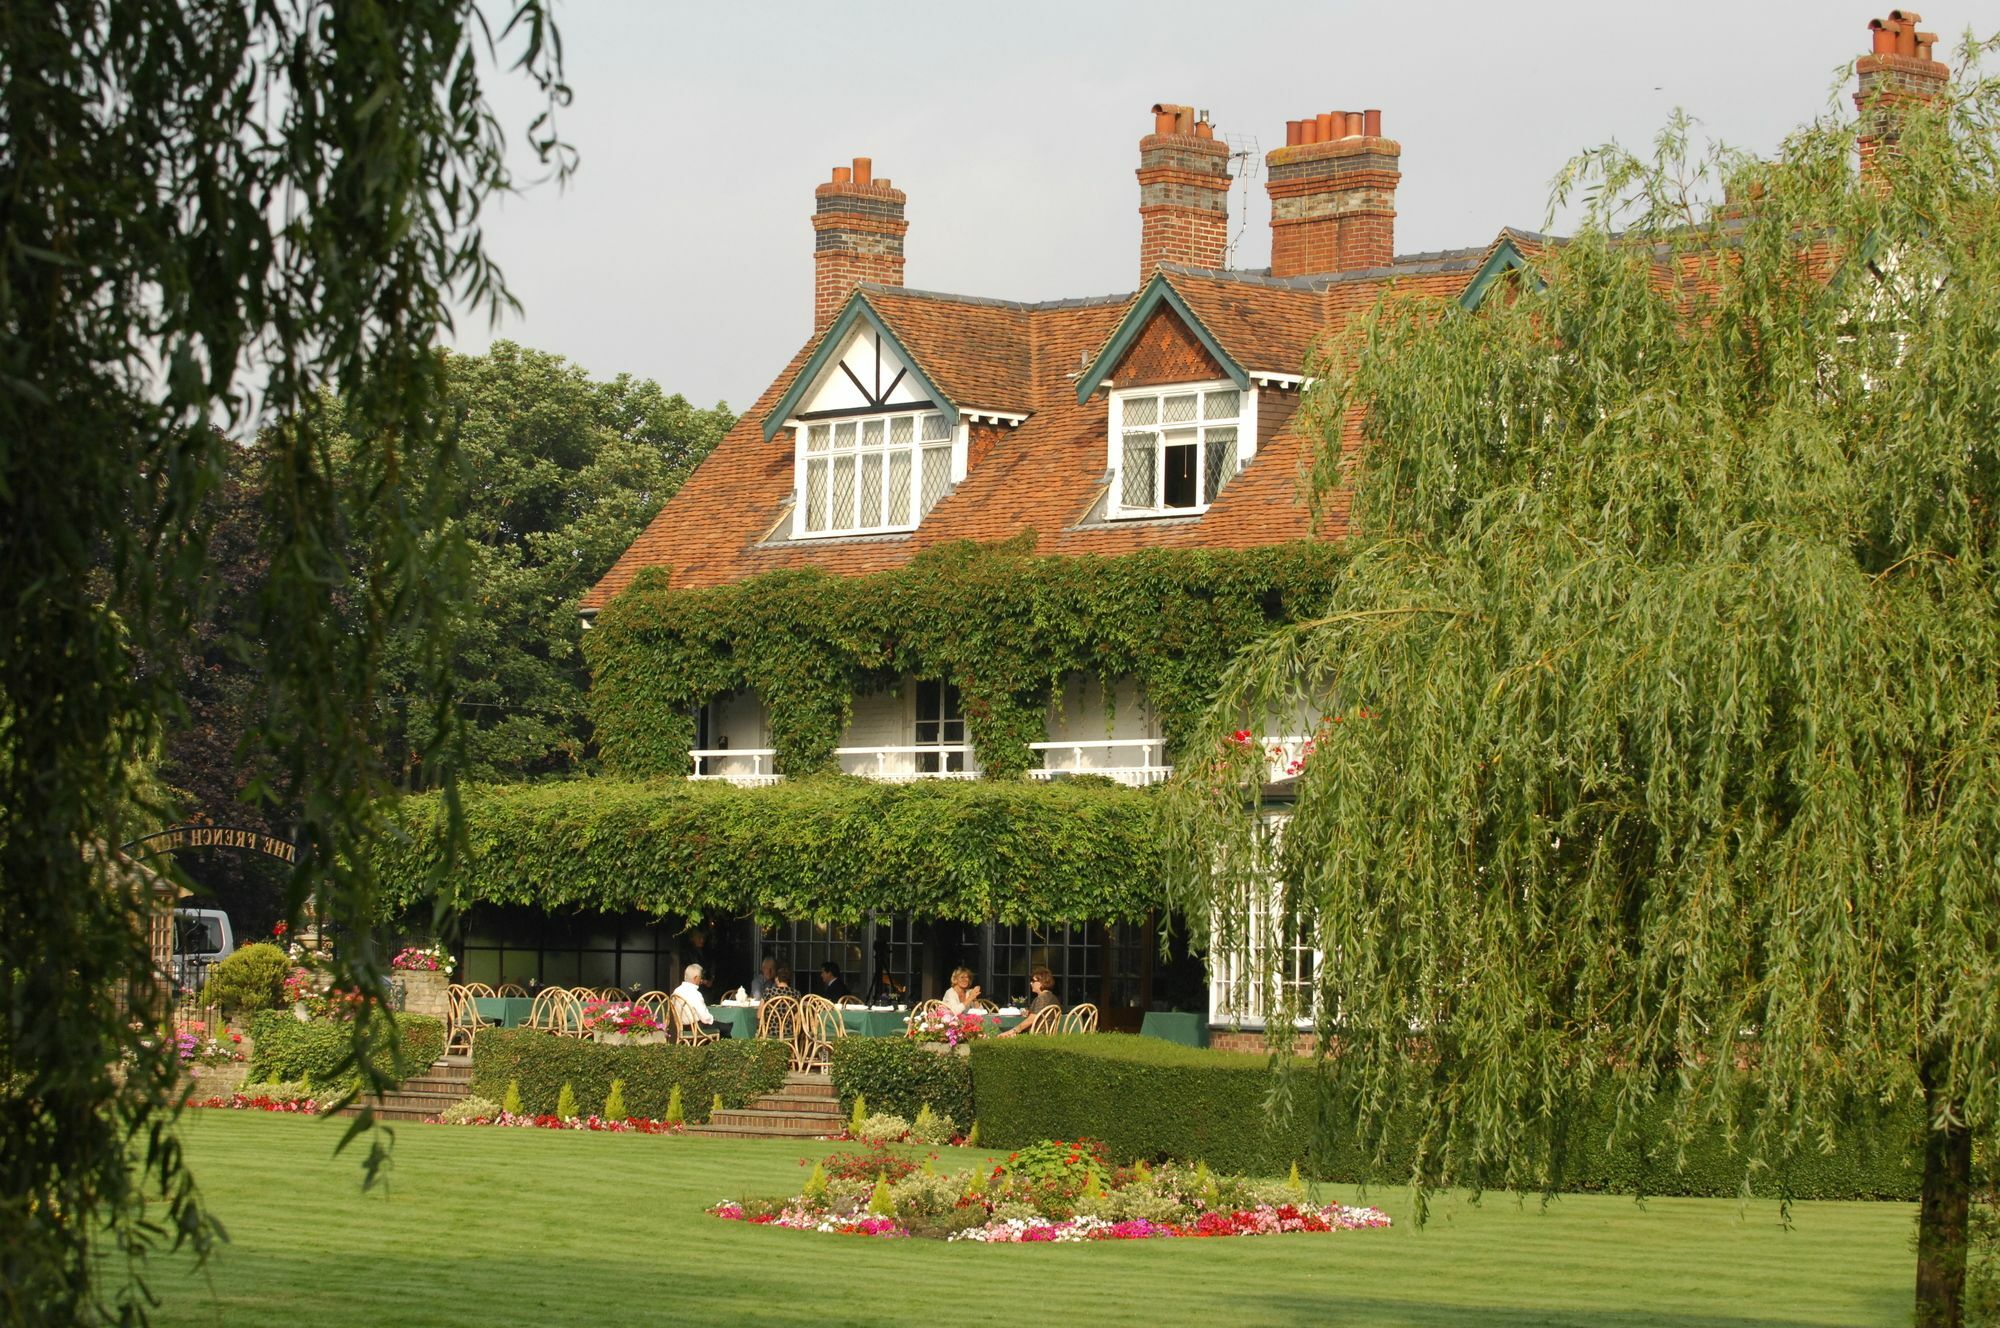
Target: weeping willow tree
x,y
214,215
1665,673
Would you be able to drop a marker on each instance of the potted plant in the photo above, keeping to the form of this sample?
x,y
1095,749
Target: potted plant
x,y
424,972
946,1033
621,1023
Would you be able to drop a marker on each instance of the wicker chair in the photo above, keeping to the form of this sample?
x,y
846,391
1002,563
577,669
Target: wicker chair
x,y
686,1027
479,989
782,1019
1080,1019
986,1005
461,1021
1046,1020
513,989
851,1000
820,1026
921,1009
655,1003
556,1010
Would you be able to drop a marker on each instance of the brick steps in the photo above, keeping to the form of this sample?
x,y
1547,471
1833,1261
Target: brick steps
x,y
805,1108
423,1096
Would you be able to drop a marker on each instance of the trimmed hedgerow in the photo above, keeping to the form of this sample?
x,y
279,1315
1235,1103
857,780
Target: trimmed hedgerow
x,y
542,1063
285,1050
828,849
1003,623
1145,1098
901,1077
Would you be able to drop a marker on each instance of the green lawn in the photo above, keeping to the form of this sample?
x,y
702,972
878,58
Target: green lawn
x,y
497,1227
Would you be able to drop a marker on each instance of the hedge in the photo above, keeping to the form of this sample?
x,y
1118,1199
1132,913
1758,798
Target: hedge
x,y
541,1063
1145,1098
285,1049
829,849
900,1077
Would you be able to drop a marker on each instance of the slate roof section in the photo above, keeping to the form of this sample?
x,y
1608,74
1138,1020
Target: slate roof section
x,y
1048,473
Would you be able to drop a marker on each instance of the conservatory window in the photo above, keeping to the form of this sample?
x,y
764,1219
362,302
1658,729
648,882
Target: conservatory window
x,y
1176,447
880,473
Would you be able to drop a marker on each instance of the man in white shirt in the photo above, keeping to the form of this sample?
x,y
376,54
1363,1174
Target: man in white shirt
x,y
690,991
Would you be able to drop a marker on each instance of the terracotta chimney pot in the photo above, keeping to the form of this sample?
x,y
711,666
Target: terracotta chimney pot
x,y
1371,123
843,175
1327,133
864,170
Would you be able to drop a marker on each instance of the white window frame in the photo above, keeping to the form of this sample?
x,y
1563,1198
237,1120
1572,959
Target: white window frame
x,y
1245,424
954,443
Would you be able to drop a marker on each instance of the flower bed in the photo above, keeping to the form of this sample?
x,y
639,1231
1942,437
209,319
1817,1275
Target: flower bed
x,y
629,1125
259,1102
1056,1191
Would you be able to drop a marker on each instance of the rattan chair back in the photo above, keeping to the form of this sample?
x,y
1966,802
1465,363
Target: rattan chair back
x,y
513,989
557,1010
1046,1020
687,1028
1080,1019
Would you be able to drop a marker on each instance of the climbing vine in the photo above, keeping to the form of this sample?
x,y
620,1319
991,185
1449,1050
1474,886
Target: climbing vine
x,y
1003,624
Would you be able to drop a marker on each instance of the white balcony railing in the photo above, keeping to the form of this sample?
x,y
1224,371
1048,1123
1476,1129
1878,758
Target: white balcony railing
x,y
901,765
748,767
1095,756
1140,765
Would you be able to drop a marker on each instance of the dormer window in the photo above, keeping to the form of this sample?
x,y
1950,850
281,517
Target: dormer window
x,y
879,473
1174,448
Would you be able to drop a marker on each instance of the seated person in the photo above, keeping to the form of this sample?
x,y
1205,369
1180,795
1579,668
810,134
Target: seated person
x,y
961,995
689,991
830,984
767,974
1043,984
781,982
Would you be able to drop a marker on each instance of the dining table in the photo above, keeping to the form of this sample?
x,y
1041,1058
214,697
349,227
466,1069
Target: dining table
x,y
506,1011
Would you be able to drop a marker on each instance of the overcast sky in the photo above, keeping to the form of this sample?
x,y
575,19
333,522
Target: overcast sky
x,y
681,250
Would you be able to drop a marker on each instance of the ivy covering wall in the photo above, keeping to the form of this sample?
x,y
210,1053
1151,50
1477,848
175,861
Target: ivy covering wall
x,y
1003,624
825,849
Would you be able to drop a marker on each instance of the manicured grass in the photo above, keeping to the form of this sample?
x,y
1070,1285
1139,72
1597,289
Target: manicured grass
x,y
501,1227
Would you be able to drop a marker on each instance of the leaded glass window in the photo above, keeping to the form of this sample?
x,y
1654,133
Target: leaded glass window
x,y
1178,448
882,473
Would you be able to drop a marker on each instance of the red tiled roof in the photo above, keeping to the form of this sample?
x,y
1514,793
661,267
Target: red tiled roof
x,y
1049,472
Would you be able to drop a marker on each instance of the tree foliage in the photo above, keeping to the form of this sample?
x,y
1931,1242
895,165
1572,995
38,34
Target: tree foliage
x,y
557,474
213,214
1668,655
1002,623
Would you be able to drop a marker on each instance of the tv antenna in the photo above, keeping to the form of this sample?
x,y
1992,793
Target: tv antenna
x,y
1246,158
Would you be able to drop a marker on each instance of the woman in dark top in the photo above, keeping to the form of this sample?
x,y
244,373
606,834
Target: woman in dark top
x,y
1043,984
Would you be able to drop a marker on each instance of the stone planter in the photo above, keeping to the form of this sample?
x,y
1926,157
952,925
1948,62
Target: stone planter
x,y
630,1039
206,1081
947,1049
425,991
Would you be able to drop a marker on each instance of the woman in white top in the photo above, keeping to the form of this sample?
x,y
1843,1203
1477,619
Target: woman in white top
x,y
961,994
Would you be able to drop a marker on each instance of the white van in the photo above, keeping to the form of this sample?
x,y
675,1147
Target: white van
x,y
202,938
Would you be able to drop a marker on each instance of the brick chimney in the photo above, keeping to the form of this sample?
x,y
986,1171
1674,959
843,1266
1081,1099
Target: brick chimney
x,y
1183,192
1333,194
1897,72
858,231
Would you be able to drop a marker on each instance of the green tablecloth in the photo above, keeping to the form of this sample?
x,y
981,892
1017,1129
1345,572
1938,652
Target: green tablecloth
x,y
506,1011
1190,1030
742,1019
863,1022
